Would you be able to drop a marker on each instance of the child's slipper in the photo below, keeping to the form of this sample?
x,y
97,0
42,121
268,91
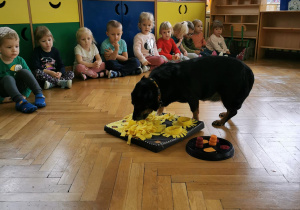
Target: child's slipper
x,y
40,100
25,107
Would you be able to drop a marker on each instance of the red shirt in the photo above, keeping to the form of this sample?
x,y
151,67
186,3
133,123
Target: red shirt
x,y
165,47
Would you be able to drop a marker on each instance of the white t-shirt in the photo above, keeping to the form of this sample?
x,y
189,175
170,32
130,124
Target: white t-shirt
x,y
87,56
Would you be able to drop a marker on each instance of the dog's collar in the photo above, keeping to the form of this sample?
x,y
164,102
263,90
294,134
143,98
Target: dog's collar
x,y
158,90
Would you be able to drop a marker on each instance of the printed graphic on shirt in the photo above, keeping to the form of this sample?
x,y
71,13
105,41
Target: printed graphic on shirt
x,y
221,45
149,45
16,67
48,63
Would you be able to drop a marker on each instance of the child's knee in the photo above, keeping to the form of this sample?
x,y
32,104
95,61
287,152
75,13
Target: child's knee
x,y
80,68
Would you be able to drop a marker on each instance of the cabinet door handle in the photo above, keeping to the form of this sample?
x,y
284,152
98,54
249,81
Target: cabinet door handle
x,y
126,9
23,35
117,9
179,9
185,9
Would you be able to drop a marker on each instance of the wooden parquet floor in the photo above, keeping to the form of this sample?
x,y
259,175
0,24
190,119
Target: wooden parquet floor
x,y
60,157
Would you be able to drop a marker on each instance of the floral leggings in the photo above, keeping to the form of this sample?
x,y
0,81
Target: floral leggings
x,y
41,77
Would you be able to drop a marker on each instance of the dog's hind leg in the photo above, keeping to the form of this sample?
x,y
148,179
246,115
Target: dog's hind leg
x,y
194,106
227,116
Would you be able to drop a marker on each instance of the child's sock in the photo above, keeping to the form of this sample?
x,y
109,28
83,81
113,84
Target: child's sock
x,y
113,74
40,100
48,85
25,107
65,83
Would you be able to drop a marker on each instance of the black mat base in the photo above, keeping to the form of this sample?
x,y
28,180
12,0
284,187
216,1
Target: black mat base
x,y
219,154
158,143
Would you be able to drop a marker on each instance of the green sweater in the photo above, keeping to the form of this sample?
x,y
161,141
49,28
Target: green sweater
x,y
189,46
5,70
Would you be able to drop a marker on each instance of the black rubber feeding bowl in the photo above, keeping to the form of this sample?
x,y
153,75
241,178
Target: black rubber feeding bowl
x,y
224,149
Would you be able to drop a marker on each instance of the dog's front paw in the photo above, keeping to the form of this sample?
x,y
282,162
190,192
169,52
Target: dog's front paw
x,y
217,123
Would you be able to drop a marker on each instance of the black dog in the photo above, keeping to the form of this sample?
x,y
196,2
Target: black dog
x,y
211,78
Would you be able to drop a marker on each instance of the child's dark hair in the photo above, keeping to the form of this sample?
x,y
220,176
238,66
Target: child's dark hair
x,y
217,24
190,25
40,32
114,24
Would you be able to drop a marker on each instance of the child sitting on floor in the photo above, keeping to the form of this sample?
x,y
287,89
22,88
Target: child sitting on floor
x,y
85,54
179,31
187,42
49,69
114,53
16,79
144,46
166,46
217,43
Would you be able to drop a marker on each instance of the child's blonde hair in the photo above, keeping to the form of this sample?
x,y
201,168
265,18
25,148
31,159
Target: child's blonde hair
x,y
146,16
165,26
217,24
197,21
113,24
84,30
7,33
181,28
40,32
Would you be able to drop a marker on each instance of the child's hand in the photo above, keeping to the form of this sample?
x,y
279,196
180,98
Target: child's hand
x,y
228,52
97,64
116,46
175,57
108,52
185,53
197,52
146,63
7,100
58,75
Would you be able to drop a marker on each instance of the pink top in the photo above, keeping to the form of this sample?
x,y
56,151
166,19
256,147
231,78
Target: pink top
x,y
144,46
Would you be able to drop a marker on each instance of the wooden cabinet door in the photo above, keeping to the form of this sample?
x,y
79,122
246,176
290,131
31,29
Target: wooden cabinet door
x,y
131,11
53,11
175,12
14,12
194,11
168,11
96,14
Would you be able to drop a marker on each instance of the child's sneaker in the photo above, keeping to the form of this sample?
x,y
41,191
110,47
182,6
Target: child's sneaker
x,y
214,53
112,74
241,55
48,85
145,68
65,83
221,54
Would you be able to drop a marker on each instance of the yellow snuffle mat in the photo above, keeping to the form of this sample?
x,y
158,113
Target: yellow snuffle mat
x,y
155,133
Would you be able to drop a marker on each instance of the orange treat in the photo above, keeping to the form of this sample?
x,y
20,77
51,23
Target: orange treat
x,y
213,140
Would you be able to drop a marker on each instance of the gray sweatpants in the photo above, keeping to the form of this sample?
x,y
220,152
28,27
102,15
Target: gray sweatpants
x,y
13,86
